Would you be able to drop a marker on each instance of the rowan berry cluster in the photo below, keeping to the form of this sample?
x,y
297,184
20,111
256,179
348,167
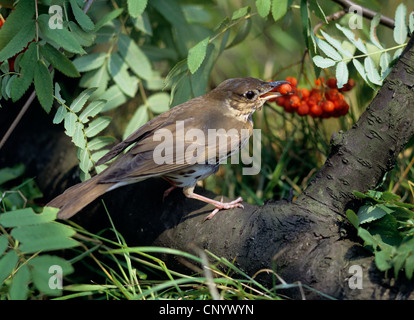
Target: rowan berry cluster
x,y
324,100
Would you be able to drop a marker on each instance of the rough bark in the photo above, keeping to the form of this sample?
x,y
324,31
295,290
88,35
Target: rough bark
x,y
307,240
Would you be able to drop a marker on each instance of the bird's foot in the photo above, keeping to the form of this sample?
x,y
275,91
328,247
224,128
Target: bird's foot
x,y
220,205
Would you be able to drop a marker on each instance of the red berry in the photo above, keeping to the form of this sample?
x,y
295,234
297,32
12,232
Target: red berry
x,y
285,88
293,81
316,110
331,83
303,109
305,93
328,106
294,101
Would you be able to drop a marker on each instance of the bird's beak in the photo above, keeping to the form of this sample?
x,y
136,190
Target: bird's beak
x,y
270,92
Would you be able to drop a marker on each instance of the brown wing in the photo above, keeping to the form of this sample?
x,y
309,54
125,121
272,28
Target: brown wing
x,y
161,147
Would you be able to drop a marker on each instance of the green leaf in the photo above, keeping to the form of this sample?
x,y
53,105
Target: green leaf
x,y
197,54
119,71
7,264
351,37
78,137
368,213
25,217
4,243
240,13
81,17
63,37
411,22
342,74
134,57
11,173
328,50
85,39
372,72
90,61
60,115
24,80
57,94
92,110
43,85
352,217
114,98
19,287
373,31
139,118
70,121
317,10
142,23
24,11
80,100
323,62
360,68
98,79
106,18
400,29
385,61
409,267
159,102
85,162
59,61
136,7
100,142
44,237
241,34
336,44
279,8
263,7
97,126
383,260
19,41
43,270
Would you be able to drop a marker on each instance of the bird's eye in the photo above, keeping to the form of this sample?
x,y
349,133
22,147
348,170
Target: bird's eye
x,y
249,95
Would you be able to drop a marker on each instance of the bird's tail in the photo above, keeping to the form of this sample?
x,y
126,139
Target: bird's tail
x,y
79,196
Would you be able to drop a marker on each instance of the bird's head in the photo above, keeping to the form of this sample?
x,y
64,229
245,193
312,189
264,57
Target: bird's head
x,y
246,95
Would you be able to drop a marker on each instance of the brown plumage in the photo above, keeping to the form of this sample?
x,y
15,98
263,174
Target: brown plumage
x,y
229,106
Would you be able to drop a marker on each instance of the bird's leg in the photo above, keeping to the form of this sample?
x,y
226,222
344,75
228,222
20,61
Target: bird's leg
x,y
167,192
188,192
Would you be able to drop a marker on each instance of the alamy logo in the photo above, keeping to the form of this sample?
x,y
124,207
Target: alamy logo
x,y
56,17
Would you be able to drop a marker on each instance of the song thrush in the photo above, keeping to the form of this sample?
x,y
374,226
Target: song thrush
x,y
229,106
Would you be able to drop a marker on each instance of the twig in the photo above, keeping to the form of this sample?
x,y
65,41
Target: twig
x,y
19,116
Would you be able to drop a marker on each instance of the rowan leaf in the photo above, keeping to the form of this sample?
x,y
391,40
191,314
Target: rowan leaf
x,y
139,118
19,41
81,17
59,61
134,57
63,37
97,126
342,74
90,61
328,49
351,37
80,100
69,123
159,102
78,137
373,31
400,29
24,80
118,69
322,62
372,72
92,110
43,85
263,7
279,8
136,7
197,54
